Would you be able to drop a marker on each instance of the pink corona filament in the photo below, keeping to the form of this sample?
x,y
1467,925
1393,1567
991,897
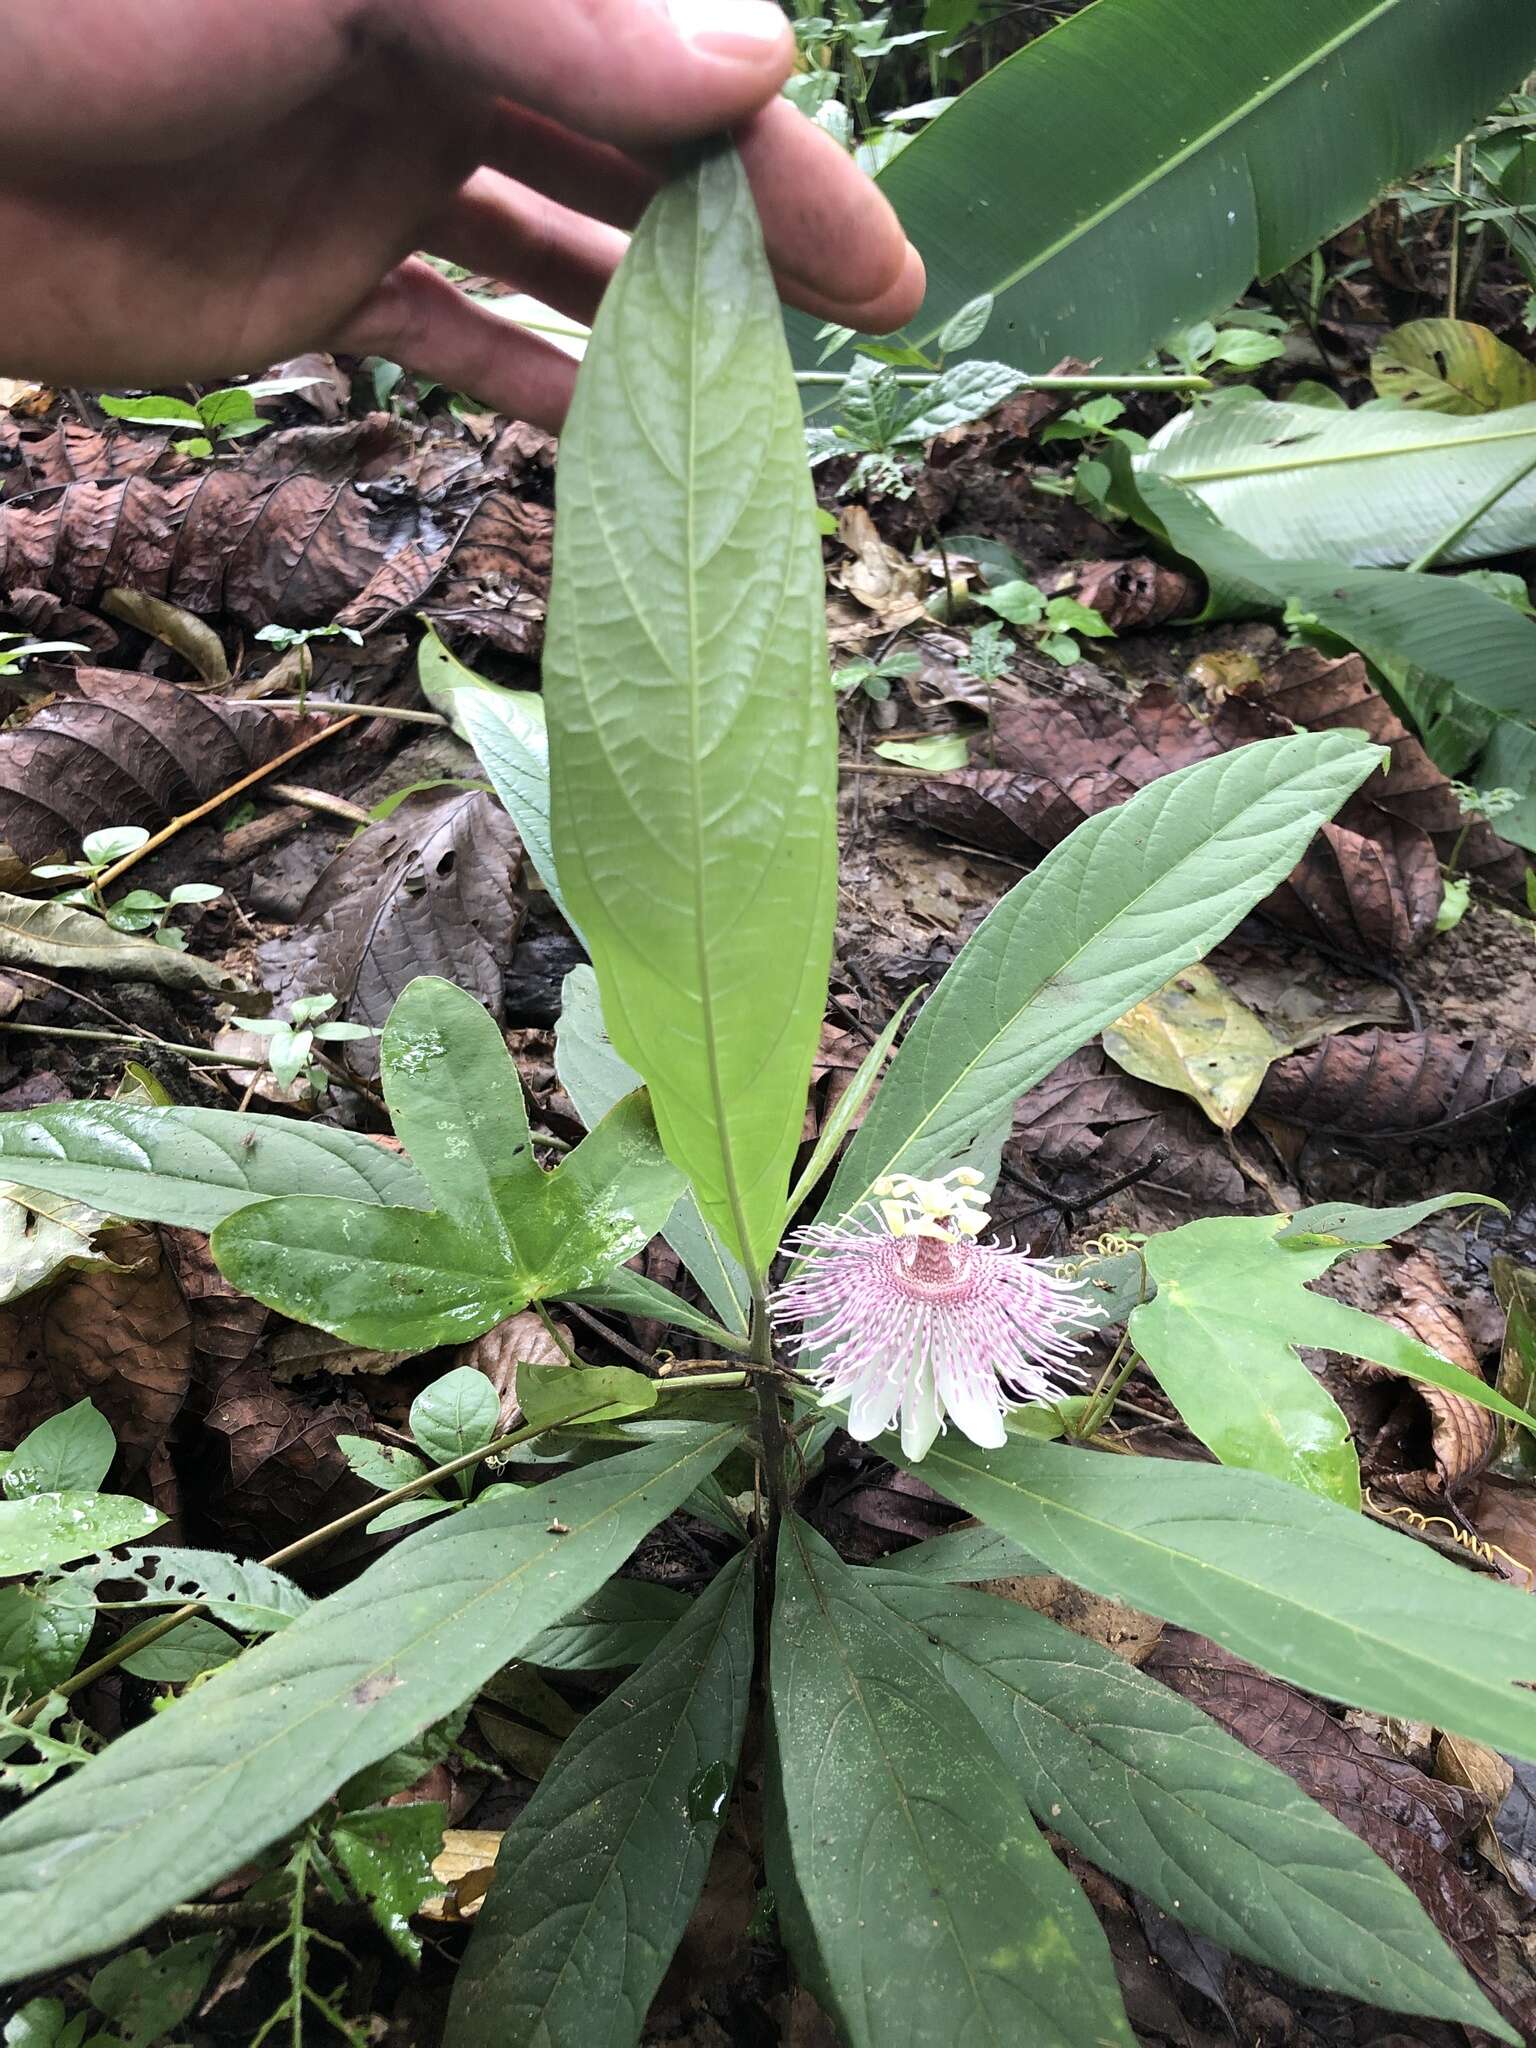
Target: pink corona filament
x,y
910,1316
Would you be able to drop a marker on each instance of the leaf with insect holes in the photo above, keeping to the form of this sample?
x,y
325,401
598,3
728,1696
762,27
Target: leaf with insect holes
x,y
180,1801
691,724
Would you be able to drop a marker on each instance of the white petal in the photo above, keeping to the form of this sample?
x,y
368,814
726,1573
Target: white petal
x,y
976,1408
921,1414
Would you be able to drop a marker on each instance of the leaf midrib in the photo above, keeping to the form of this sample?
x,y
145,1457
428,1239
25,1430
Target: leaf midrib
x,y
1166,166
1406,451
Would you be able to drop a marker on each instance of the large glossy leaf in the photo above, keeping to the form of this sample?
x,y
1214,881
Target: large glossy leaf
x,y
596,1878
1131,897
1443,625
456,1101
1181,148
939,1913
1220,1336
1294,1583
404,1279
185,1798
509,732
1152,1790
594,1077
1375,488
690,717
194,1167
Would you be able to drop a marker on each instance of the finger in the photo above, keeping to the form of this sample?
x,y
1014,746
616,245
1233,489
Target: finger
x,y
640,73
832,237
501,229
418,318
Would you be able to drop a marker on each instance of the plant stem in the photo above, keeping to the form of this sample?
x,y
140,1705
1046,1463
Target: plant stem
x,y
1102,1400
138,1639
331,708
1453,280
1170,382
187,1052
770,1416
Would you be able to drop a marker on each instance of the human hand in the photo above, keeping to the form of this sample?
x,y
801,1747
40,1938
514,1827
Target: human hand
x,y
191,188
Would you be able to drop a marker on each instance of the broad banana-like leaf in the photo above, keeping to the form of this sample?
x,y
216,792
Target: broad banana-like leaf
x,y
1133,170
1375,488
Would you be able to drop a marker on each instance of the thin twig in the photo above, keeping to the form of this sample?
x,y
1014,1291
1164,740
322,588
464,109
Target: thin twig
x,y
332,707
214,803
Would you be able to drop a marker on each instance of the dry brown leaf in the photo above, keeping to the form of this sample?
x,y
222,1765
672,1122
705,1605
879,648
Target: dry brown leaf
x,y
1374,895
280,1474
436,888
119,1336
463,1865
521,1340
1463,1436
878,577
1399,1083
1132,594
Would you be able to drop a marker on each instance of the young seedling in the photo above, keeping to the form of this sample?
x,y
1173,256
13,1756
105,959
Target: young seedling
x,y
141,910
1056,625
294,1038
228,414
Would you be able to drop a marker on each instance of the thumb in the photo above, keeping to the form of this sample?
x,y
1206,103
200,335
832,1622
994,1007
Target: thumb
x,y
641,73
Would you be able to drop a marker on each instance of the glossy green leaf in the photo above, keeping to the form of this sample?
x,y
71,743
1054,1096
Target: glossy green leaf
x,y
1374,488
1294,1583
1220,1336
1444,626
551,1394
1149,1788
44,1629
939,1913
617,1628
456,1101
509,733
71,1452
179,1802
1229,140
46,1529
595,1077
597,1876
407,1279
691,722
455,1415
194,1167
1131,897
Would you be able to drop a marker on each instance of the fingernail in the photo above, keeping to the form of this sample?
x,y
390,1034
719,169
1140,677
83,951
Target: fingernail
x,y
729,28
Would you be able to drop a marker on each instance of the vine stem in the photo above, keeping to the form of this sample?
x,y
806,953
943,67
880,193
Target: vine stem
x,y
1171,382
151,1632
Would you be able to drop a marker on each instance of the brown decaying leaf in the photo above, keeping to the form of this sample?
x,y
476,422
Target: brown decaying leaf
x,y
121,749
435,889
356,521
1087,1123
1132,594
1463,1437
1370,884
1395,1084
1414,1823
521,1340
878,576
1195,1037
281,1475
122,1339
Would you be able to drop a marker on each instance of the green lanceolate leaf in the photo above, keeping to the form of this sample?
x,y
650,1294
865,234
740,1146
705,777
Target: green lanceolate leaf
x,y
1275,127
456,1101
691,724
1349,1226
597,1876
1220,1336
1130,898
44,1629
964,1557
617,1628
179,1802
594,1077
1152,1790
1295,1583
194,1167
939,1913
1374,488
508,732
46,1529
